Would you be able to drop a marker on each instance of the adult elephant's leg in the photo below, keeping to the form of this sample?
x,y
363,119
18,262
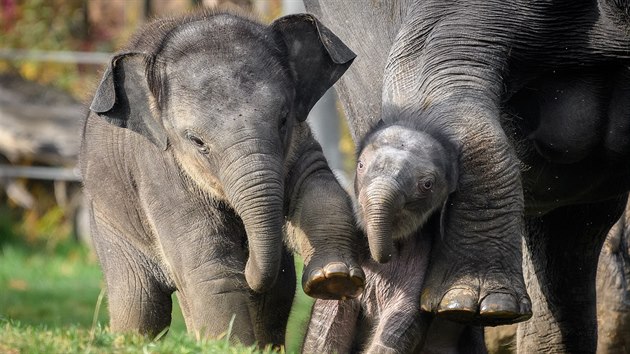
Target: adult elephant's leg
x,y
272,308
451,82
560,260
613,289
137,300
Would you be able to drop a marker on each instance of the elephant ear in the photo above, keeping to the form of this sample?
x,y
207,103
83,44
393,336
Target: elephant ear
x,y
123,98
317,57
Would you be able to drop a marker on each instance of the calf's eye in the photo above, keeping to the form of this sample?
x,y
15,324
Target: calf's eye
x,y
197,142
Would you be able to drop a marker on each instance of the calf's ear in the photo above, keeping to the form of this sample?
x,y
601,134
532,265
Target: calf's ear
x,y
317,57
123,98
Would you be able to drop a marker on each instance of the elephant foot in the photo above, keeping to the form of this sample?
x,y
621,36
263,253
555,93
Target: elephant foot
x,y
334,281
473,303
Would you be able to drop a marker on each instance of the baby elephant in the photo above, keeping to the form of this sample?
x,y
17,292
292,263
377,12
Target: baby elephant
x,y
201,174
403,176
386,318
403,179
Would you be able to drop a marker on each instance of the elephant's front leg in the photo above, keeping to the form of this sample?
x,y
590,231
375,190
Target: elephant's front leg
x,y
475,276
261,316
213,303
392,295
400,330
451,82
321,227
562,251
208,270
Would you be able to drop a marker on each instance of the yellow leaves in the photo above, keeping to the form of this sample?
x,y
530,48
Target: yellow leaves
x,y
18,284
8,350
29,70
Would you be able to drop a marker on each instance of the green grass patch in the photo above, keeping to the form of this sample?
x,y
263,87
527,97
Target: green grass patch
x,y
49,303
20,338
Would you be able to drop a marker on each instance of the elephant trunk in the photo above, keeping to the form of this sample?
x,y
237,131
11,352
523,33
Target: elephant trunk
x,y
382,200
256,194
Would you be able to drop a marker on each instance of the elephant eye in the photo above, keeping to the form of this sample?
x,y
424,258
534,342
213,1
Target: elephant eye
x,y
197,142
427,185
360,165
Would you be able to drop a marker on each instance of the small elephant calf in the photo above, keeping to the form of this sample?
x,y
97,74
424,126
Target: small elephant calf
x,y
403,179
202,174
387,318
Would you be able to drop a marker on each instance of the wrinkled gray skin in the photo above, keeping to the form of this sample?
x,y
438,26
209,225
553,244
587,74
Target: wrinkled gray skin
x,y
403,175
196,161
453,67
575,123
573,197
386,318
476,275
613,289
613,297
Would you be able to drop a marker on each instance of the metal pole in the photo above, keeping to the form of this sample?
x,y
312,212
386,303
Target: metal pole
x,y
96,58
39,172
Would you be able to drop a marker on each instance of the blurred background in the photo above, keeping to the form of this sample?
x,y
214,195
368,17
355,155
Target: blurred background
x,y
51,57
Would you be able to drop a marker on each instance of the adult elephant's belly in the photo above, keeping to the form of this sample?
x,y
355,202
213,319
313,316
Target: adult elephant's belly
x,y
550,185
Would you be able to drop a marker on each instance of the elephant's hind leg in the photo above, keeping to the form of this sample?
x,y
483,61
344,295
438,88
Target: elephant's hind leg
x,y
561,253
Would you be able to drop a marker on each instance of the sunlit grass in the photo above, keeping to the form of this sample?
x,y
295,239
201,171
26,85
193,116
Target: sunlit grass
x,y
49,303
20,338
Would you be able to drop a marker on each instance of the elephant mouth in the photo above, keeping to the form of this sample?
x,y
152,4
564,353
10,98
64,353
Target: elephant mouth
x,y
405,223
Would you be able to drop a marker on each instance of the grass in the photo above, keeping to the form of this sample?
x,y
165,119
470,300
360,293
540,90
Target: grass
x,y
49,303
19,338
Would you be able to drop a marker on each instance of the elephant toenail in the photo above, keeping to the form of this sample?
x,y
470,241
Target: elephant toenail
x,y
458,305
336,269
358,276
315,277
526,309
499,306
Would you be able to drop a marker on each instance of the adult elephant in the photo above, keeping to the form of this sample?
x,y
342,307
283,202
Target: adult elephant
x,y
454,68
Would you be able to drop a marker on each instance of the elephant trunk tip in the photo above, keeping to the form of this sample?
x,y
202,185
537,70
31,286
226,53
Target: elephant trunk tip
x,y
382,254
258,280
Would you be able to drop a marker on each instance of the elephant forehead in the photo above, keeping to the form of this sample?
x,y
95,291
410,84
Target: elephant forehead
x,y
391,158
406,139
200,71
220,84
222,91
234,51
